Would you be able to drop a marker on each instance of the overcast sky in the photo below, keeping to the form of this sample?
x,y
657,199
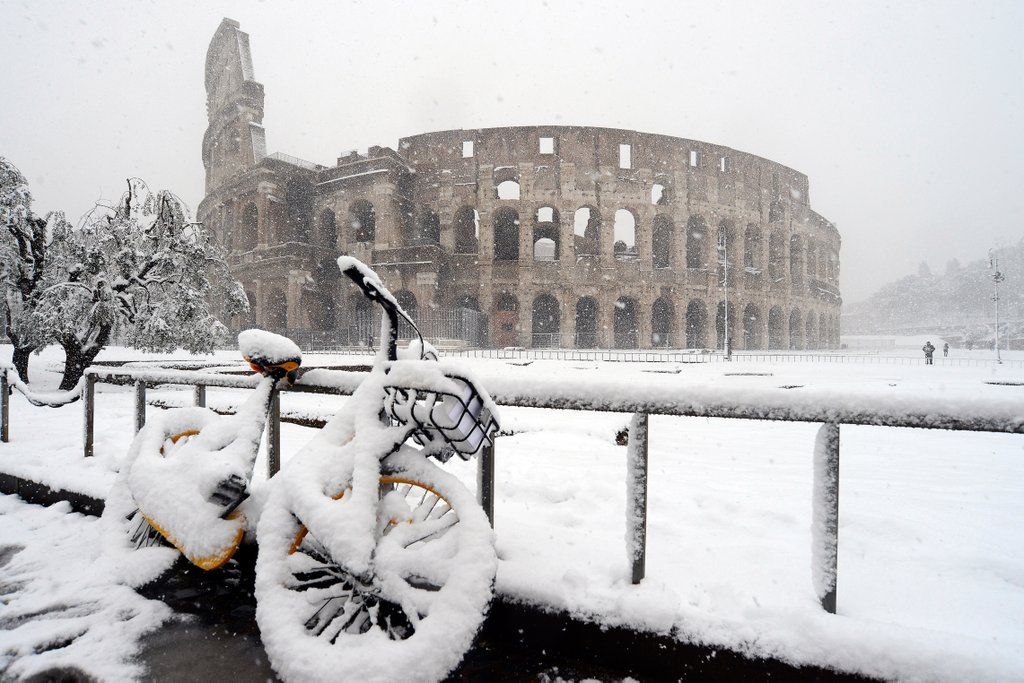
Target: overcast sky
x,y
906,116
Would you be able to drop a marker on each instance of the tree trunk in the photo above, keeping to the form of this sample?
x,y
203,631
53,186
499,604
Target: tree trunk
x,y
20,358
78,357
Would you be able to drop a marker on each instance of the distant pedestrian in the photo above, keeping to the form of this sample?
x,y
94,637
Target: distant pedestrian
x,y
928,351
945,350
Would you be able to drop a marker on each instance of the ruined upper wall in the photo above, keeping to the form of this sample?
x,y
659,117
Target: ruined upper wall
x,y
593,150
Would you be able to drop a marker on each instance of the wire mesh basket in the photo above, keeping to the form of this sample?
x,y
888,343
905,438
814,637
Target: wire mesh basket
x,y
454,422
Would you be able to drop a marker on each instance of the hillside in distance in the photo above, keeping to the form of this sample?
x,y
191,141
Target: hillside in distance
x,y
956,303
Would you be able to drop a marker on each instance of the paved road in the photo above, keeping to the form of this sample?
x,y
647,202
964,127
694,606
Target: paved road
x,y
221,642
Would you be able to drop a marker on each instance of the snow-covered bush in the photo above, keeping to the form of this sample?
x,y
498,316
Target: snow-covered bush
x,y
139,271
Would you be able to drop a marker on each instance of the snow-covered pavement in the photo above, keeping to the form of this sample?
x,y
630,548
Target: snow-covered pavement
x,y
931,552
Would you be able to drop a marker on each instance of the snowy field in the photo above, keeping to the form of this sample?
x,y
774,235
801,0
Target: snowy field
x,y
931,550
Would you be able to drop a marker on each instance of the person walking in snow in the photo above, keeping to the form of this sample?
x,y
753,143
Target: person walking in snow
x,y
928,351
945,350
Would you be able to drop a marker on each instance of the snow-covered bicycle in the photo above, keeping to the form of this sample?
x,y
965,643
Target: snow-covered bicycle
x,y
374,563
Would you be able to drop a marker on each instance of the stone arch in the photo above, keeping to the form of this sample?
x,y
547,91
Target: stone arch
x,y
362,221
796,330
626,323
823,335
812,260
586,322
661,191
752,248
776,256
753,337
506,234
720,326
466,226
299,198
776,328
662,322
662,241
327,230
725,249
318,309
775,212
467,301
505,320
546,234
811,331
407,300
587,231
546,321
696,325
249,235
696,242
796,260
275,310
624,235
429,227
506,183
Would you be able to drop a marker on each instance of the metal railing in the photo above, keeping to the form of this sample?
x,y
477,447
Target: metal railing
x,y
672,398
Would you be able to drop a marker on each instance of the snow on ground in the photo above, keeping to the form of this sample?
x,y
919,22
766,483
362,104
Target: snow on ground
x,y
63,607
931,551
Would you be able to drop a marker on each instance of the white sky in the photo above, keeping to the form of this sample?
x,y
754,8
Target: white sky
x,y
906,116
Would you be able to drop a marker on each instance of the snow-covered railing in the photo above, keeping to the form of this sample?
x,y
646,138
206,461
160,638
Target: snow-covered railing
x,y
667,395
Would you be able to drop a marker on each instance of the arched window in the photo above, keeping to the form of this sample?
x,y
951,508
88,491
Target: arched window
x,y
299,198
752,325
319,311
362,221
586,323
546,321
625,323
796,330
776,328
662,323
467,230
696,325
661,191
725,250
430,227
587,231
250,233
624,234
506,183
775,212
546,235
812,260
752,249
276,310
811,331
662,241
506,234
696,242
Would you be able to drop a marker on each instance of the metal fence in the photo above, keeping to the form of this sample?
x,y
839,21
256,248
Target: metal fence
x,y
673,398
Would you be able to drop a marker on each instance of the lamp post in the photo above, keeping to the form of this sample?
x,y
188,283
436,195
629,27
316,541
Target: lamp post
x,y
997,277
723,246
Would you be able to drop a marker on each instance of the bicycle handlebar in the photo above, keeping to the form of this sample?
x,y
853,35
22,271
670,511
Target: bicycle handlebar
x,y
386,301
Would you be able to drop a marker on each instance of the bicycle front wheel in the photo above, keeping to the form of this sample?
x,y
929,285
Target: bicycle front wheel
x,y
412,618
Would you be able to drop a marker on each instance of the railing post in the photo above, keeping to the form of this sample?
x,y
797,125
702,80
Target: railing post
x,y
89,413
140,405
199,395
636,496
825,516
5,407
274,435
485,481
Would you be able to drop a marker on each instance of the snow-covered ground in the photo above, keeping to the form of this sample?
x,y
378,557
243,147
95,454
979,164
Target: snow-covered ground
x,y
931,551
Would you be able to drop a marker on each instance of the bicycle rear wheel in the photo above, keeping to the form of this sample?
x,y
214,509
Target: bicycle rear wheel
x,y
413,618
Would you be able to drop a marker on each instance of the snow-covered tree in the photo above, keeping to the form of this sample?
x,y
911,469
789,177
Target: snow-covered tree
x,y
139,272
23,246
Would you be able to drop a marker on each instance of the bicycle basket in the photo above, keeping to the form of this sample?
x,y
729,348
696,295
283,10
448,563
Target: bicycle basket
x,y
459,419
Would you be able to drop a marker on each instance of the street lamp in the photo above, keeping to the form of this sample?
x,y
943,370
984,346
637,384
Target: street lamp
x,y
997,277
723,246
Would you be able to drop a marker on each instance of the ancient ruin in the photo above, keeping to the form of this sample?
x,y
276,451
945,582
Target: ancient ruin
x,y
523,236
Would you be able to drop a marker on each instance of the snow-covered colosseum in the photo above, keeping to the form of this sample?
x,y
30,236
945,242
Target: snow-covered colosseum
x,y
524,236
